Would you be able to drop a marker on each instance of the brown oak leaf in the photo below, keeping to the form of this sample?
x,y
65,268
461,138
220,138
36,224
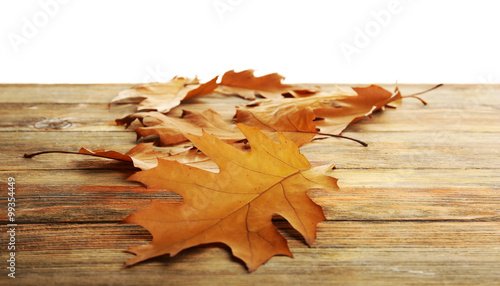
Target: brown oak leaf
x,y
334,110
162,97
234,206
143,156
295,124
170,130
246,85
352,109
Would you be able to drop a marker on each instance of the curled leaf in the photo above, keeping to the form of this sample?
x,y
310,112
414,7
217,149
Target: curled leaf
x,y
162,97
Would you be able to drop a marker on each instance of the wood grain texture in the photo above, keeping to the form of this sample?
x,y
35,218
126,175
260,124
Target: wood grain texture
x,y
419,206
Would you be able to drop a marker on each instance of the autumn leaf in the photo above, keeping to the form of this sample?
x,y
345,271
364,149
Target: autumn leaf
x,y
247,85
234,206
162,97
143,156
334,110
203,89
171,130
349,110
139,93
296,124
317,100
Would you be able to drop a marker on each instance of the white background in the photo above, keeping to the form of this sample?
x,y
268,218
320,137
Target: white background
x,y
119,41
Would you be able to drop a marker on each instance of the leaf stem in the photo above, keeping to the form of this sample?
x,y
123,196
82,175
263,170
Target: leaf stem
x,y
69,152
344,137
48,152
422,92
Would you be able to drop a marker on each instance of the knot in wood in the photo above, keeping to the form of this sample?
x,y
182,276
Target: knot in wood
x,y
53,123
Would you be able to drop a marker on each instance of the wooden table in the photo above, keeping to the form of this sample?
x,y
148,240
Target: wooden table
x,y
420,205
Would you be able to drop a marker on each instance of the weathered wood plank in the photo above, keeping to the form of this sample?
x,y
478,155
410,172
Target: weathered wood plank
x,y
399,120
331,234
87,203
345,253
447,150
358,178
354,266
450,108
60,93
418,206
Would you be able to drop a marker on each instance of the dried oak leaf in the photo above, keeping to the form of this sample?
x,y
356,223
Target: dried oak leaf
x,y
170,130
143,156
295,124
162,97
234,206
349,110
334,110
246,85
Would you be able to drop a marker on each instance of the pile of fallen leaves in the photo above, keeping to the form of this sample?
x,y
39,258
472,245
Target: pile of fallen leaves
x,y
259,169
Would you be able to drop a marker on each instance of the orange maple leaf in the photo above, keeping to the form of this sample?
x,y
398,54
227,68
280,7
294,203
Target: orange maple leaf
x,y
234,206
